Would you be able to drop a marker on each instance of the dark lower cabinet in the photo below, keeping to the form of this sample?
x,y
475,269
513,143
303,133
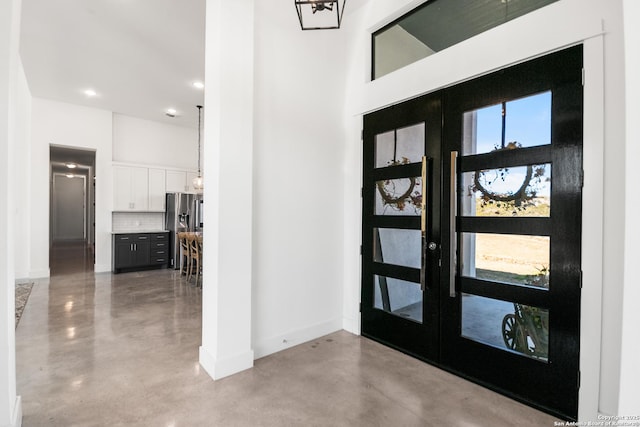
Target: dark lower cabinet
x,y
159,249
139,251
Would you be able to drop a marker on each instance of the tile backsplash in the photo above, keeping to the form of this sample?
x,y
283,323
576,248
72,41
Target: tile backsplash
x,y
137,221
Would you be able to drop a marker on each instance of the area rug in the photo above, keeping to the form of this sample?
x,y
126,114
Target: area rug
x,y
23,290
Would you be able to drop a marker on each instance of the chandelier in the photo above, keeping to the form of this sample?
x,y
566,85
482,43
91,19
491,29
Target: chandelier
x,y
320,14
198,182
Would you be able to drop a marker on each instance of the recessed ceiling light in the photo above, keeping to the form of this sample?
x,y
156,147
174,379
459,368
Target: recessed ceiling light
x,y
171,112
198,85
90,93
71,165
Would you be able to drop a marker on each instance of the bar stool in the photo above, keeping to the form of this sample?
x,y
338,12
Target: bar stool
x,y
198,245
185,258
195,250
194,264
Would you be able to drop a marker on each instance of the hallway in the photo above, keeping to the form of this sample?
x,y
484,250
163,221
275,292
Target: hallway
x,y
103,349
74,256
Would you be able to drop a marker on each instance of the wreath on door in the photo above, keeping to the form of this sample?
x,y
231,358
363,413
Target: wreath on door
x,y
518,200
399,198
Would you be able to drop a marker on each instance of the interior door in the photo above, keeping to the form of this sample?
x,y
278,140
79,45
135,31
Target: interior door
x,y
68,207
498,277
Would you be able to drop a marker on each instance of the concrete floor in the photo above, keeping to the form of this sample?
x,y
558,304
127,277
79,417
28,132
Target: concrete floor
x,y
122,350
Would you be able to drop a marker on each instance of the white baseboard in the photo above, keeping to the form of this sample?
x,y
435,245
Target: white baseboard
x,y
39,274
220,368
102,268
22,276
16,418
351,325
293,338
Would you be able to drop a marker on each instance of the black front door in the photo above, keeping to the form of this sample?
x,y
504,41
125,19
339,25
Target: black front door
x,y
402,216
472,225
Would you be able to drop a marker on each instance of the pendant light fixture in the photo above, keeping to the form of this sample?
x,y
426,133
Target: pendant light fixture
x,y
320,14
198,182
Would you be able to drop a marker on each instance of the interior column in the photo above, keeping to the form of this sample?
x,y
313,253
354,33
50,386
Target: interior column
x,y
228,193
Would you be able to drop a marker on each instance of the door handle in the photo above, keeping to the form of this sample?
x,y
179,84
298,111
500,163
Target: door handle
x,y
423,225
453,242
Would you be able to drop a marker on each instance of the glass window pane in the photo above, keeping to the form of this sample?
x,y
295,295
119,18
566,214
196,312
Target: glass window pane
x,y
384,148
402,196
527,124
400,147
438,24
397,246
509,326
511,259
529,120
398,297
513,191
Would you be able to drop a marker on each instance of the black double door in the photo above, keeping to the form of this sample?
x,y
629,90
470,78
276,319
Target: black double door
x,y
472,229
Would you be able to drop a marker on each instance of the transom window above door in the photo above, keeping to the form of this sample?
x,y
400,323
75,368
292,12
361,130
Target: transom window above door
x,y
437,25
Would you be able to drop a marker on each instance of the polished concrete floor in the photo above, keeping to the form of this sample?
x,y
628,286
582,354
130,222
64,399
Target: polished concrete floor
x,y
122,350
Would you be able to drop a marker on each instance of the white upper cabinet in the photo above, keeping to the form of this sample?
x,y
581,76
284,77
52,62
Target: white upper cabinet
x,y
130,188
143,189
180,181
177,182
157,190
190,177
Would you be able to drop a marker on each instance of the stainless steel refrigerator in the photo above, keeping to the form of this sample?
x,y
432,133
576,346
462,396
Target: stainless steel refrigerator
x,y
184,213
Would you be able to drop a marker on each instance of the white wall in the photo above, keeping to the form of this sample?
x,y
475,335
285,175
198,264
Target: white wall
x,y
298,179
21,162
11,80
630,368
147,142
77,127
599,24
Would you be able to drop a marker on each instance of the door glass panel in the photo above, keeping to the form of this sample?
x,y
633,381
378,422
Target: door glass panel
x,y
398,297
527,123
512,191
402,196
509,326
401,146
397,246
505,258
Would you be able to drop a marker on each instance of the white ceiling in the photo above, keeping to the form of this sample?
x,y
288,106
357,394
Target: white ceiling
x,y
140,56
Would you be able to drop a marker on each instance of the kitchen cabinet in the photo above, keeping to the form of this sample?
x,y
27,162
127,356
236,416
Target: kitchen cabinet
x,y
138,189
159,249
177,181
157,190
130,188
190,177
139,251
180,181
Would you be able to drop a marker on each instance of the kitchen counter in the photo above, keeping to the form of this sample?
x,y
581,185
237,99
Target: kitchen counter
x,y
139,231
